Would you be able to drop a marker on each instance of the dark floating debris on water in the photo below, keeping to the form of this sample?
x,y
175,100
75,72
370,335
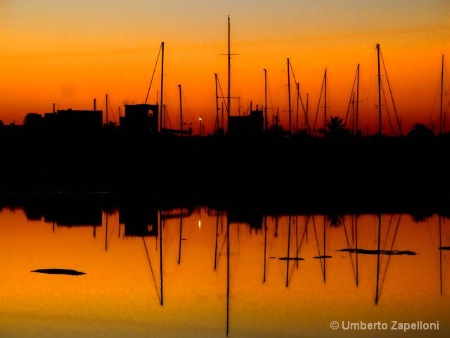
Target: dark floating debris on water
x,y
291,259
381,252
60,272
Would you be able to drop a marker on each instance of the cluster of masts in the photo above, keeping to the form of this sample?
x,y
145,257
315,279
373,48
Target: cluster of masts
x,y
258,121
328,121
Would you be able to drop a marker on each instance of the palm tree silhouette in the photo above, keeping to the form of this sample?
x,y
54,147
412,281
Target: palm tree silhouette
x,y
335,127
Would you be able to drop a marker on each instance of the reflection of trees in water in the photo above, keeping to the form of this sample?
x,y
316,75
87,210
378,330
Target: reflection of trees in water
x,y
335,220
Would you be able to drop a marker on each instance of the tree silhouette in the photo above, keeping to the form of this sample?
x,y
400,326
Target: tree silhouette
x,y
421,131
335,220
335,127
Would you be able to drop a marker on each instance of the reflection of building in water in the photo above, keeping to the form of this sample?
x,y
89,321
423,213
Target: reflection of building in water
x,y
139,221
65,212
250,217
140,119
76,217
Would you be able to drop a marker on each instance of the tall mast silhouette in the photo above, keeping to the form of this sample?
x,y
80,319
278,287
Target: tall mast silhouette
x,y
441,116
161,107
181,109
379,90
289,96
265,101
217,104
229,71
357,101
106,108
325,100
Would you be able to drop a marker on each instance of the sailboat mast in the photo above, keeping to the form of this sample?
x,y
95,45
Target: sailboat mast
x,y
357,100
289,95
325,101
441,118
306,113
265,100
106,108
379,91
296,108
229,71
181,110
217,104
161,107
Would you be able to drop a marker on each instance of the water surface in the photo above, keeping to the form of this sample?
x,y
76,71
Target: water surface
x,y
200,272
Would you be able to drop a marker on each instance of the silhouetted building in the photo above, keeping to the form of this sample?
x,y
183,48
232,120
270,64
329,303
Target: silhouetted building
x,y
252,124
140,119
70,122
89,121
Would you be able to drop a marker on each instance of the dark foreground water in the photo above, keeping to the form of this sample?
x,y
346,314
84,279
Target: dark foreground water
x,y
203,272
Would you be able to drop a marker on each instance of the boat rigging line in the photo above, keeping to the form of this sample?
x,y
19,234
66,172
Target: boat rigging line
x,y
153,74
307,127
352,101
392,97
151,270
322,90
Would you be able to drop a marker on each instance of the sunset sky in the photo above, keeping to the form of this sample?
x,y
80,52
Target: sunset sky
x,y
69,53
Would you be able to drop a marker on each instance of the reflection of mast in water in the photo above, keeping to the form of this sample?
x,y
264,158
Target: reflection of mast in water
x,y
354,226
218,254
298,245
161,258
228,276
377,296
142,221
288,256
181,238
323,257
181,214
265,247
152,272
288,251
389,252
441,248
381,273
106,231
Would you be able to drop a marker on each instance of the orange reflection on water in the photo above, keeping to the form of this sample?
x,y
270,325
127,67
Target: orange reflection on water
x,y
284,276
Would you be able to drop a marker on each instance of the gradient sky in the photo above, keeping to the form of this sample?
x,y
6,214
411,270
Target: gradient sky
x,y
69,53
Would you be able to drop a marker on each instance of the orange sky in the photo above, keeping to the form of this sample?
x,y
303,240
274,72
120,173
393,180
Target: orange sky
x,y
72,53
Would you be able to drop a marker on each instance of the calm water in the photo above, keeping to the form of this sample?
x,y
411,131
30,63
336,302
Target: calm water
x,y
204,273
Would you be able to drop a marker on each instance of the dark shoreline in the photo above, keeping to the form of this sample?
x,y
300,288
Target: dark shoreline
x,y
267,173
